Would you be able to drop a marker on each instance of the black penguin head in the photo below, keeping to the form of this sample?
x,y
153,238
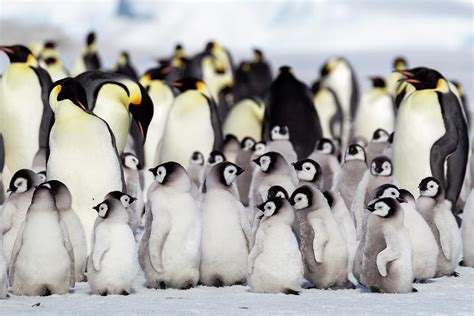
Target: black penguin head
x,y
390,138
355,152
384,207
285,71
381,166
167,172
19,54
61,193
329,197
130,161
68,89
330,65
388,191
272,206
197,158
227,172
430,187
215,157
178,47
400,63
230,139
259,148
316,86
308,170
186,84
377,82
157,73
124,198
209,46
269,161
425,78
23,180
277,191
247,143
380,135
50,44
325,146
302,197
257,55
90,39
280,132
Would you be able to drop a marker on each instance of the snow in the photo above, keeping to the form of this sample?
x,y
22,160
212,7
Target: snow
x,y
441,296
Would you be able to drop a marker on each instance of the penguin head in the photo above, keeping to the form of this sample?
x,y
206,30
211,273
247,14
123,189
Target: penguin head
x,y
400,63
130,161
124,198
380,136
159,73
280,132
308,170
123,58
42,176
272,206
19,54
259,148
61,194
197,158
285,71
377,82
430,187
225,173
179,50
325,146
329,198
231,140
257,55
384,207
426,79
247,143
215,157
171,174
44,196
277,191
355,152
333,65
23,180
140,106
381,166
407,196
316,86
186,84
91,42
269,161
68,89
388,191
302,197
102,209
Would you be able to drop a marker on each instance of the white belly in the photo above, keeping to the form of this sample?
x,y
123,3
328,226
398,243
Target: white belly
x,y
375,111
326,107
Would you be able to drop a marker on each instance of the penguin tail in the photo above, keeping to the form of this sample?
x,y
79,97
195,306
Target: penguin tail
x,y
290,292
45,291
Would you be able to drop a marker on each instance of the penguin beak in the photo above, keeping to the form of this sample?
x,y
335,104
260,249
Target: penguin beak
x,y
297,166
401,200
261,207
409,80
240,170
176,84
7,50
153,170
256,161
132,199
142,112
96,208
371,207
292,201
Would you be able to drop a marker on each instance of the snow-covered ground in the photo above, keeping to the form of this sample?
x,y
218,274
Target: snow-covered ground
x,y
453,296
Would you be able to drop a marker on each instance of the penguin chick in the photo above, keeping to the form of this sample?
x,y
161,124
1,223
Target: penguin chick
x,y
113,262
170,249
323,247
467,231
195,168
21,188
275,264
324,156
127,202
437,213
309,171
387,263
3,272
133,182
280,143
352,170
377,145
63,199
244,160
231,147
226,229
42,257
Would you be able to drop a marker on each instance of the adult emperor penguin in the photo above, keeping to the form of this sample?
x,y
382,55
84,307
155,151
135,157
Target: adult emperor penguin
x,y
280,143
329,110
63,202
243,160
436,211
88,59
225,229
393,81
245,119
24,111
173,252
77,135
113,262
387,265
440,140
338,74
50,60
43,257
324,155
124,66
260,75
290,104
376,110
323,246
274,264
197,111
21,188
467,232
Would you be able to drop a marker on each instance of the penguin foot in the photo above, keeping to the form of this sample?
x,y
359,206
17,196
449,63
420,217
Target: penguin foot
x,y
187,285
218,282
462,264
104,293
374,289
45,291
290,292
413,290
455,274
124,293
162,285
241,282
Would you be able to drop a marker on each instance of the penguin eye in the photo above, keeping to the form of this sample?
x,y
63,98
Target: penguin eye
x,y
103,207
231,171
126,199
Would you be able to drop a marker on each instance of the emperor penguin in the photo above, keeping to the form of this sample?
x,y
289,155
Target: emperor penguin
x,y
197,111
467,232
378,143
324,155
243,160
323,248
329,110
215,157
231,147
21,188
50,60
173,245
437,212
393,81
88,59
352,170
124,66
376,110
42,257
343,217
275,264
245,118
113,262
127,202
309,171
196,168
3,272
440,143
225,229
272,170
387,265
63,202
280,143
134,184
77,135
24,111
260,74
338,75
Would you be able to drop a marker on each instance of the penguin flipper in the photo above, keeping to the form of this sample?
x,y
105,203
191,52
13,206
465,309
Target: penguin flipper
x,y
390,253
16,249
216,124
321,237
159,232
101,246
245,225
256,250
68,245
445,237
45,83
358,203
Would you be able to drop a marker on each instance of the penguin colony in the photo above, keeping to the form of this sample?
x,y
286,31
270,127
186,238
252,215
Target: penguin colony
x,y
204,172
